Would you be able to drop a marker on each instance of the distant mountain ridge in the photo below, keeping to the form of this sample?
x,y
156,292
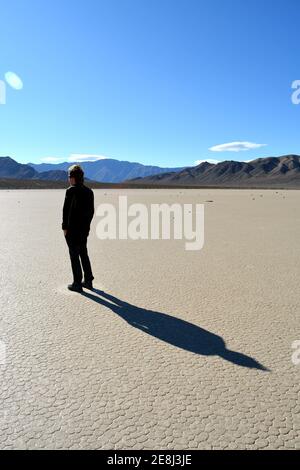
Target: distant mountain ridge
x,y
9,168
269,171
266,172
108,170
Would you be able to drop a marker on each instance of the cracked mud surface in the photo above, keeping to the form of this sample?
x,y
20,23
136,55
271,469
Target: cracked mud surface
x,y
174,350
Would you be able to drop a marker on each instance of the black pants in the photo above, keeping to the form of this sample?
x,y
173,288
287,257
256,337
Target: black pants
x,y
78,252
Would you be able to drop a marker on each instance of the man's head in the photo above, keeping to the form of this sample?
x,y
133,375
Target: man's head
x,y
76,174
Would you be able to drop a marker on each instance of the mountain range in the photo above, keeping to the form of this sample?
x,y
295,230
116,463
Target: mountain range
x,y
9,168
262,172
266,172
107,170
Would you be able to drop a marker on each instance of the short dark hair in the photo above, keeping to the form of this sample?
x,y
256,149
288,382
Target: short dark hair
x,y
75,171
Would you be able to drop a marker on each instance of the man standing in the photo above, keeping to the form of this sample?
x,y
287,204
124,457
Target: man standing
x,y
78,212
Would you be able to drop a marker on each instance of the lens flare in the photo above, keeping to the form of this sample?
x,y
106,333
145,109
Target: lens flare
x,y
14,80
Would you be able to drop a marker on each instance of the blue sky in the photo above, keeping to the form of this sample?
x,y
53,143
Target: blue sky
x,y
155,81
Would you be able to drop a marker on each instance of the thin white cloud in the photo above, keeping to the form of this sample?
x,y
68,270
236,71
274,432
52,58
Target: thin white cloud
x,y
82,157
74,157
208,160
51,159
14,80
235,147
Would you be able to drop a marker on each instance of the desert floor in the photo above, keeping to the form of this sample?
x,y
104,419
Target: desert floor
x,y
175,349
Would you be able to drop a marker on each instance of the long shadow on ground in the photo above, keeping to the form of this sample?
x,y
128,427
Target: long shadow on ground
x,y
173,330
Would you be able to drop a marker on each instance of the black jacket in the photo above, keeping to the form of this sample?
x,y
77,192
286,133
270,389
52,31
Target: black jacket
x,y
78,210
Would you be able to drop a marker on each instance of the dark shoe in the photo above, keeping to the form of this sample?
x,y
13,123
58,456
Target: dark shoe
x,y
75,287
88,285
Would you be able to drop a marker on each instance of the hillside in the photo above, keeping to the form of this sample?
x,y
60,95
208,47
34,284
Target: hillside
x,y
9,168
107,170
263,172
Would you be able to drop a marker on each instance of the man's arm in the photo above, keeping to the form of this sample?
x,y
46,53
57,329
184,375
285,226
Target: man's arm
x,y
92,208
89,207
66,209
